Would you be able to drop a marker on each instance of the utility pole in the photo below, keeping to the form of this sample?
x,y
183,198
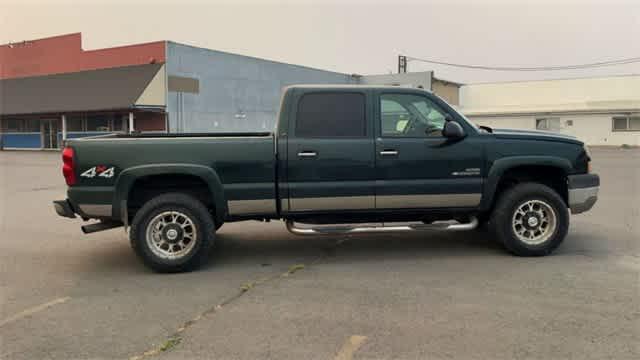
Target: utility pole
x,y
402,64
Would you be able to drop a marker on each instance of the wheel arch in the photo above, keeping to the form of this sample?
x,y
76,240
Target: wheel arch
x,y
128,179
549,170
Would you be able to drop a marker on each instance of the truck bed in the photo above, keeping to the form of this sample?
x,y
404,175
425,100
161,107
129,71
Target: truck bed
x,y
244,163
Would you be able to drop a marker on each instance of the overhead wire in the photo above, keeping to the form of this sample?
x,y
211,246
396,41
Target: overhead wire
x,y
534,68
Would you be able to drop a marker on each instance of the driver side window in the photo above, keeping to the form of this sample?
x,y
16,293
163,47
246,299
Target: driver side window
x,y
408,115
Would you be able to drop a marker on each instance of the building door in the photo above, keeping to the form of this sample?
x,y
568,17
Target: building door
x,y
50,129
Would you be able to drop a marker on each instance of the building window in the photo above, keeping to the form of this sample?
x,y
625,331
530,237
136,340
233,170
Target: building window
x,y
569,123
542,124
75,122
11,125
549,124
98,122
331,115
21,125
634,123
626,123
120,122
31,125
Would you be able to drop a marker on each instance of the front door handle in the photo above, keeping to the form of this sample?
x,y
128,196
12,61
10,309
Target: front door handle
x,y
307,154
388,152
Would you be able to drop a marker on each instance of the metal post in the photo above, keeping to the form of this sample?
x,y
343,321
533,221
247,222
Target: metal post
x,y
131,128
1,136
402,64
64,128
124,121
42,134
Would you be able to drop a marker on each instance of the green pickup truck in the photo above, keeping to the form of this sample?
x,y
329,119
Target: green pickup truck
x,y
341,158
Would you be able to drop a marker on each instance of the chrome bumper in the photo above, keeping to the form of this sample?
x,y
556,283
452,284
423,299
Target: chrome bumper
x,y
583,192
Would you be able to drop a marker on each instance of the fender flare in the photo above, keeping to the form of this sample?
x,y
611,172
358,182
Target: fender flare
x,y
500,166
128,177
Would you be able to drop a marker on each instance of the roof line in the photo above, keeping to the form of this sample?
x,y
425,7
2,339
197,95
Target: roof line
x,y
556,79
43,38
449,81
124,46
257,58
355,86
160,64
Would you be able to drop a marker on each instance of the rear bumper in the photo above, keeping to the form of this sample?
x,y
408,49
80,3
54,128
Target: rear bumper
x,y
63,208
583,192
69,209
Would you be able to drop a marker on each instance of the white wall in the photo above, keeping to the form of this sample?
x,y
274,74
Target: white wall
x,y
154,94
590,103
592,129
413,79
609,93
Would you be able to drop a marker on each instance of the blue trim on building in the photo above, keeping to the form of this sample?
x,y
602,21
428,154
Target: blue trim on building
x,y
80,134
33,140
21,140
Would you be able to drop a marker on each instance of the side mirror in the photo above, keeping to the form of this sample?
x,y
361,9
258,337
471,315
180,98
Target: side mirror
x,y
453,130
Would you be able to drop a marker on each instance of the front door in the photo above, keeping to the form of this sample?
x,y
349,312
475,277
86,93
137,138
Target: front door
x,y
330,153
50,133
418,168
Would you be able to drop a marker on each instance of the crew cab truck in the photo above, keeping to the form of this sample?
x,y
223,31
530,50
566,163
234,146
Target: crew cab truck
x,y
341,157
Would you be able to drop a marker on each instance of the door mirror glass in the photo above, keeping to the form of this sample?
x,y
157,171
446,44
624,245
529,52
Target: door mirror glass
x,y
453,130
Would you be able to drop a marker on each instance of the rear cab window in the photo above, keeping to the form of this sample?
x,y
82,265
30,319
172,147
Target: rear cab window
x,y
331,115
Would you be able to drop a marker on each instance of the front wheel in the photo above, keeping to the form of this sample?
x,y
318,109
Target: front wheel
x,y
172,233
530,219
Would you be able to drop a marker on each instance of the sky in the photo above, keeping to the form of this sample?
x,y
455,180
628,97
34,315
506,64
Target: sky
x,y
356,36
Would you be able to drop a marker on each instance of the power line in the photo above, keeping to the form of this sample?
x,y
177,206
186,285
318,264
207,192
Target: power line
x,y
539,68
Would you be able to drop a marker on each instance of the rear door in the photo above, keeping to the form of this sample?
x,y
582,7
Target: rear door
x,y
330,152
416,167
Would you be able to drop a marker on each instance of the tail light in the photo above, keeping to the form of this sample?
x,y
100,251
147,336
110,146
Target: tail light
x,y
68,166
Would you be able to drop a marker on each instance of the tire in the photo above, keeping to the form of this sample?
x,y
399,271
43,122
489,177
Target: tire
x,y
514,227
172,233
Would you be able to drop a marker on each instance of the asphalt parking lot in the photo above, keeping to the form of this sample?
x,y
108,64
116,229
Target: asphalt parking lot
x,y
268,294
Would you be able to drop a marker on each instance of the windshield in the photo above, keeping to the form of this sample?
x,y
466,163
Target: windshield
x,y
452,109
473,125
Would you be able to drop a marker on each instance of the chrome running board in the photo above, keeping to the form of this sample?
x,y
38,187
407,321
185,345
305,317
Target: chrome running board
x,y
341,230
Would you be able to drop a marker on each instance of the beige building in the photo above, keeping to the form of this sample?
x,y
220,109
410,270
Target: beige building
x,y
448,90
599,111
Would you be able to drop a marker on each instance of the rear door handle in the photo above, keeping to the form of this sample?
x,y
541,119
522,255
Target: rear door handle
x,y
307,154
388,152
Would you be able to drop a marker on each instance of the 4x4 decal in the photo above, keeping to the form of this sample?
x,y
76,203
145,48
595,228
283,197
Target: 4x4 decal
x,y
100,171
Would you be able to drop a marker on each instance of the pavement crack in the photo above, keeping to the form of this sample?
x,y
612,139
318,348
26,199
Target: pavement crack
x,y
174,339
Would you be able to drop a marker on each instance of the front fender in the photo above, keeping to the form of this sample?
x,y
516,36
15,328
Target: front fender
x,y
500,166
127,178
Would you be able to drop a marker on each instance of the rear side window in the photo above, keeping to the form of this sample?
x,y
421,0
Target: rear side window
x,y
331,115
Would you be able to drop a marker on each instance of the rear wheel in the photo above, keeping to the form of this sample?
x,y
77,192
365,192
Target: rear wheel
x,y
172,233
530,219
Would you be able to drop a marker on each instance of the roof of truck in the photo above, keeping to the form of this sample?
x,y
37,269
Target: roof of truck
x,y
350,86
